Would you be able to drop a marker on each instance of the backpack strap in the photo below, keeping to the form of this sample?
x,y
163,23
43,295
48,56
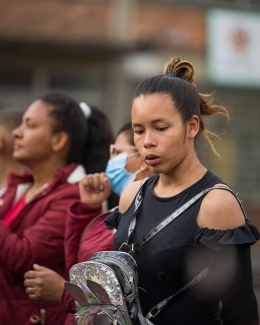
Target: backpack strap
x,y
151,233
138,200
156,309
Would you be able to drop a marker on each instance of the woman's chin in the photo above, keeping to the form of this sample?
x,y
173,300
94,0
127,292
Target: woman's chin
x,y
155,169
19,158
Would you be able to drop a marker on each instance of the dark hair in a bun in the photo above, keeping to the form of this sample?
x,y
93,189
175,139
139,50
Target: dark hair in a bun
x,y
178,82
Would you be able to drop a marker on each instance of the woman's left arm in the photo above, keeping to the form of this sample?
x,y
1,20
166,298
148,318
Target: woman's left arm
x,y
235,286
220,210
231,269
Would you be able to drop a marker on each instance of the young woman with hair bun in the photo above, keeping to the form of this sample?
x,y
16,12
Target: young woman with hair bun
x,y
58,142
212,234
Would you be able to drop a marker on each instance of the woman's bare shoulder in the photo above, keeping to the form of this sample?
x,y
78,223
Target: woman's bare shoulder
x,y
128,196
220,210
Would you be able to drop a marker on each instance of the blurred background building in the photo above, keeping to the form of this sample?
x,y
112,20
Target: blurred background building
x,y
97,51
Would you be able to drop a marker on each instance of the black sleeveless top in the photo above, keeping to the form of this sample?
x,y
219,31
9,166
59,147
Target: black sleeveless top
x,y
181,251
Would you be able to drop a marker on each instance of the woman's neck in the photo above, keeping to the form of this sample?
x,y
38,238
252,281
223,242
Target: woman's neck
x,y
43,172
180,178
7,166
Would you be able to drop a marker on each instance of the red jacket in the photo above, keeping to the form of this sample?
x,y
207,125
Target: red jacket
x,y
86,234
35,236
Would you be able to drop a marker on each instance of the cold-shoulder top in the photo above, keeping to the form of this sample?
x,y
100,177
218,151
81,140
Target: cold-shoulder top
x,y
181,251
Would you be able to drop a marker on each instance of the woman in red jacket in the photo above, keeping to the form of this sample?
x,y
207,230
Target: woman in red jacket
x,y
86,232
56,141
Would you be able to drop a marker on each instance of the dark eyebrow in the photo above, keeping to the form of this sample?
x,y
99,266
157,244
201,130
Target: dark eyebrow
x,y
152,122
136,124
27,119
160,120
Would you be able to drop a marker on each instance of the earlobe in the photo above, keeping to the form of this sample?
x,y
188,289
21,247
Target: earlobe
x,y
193,126
59,141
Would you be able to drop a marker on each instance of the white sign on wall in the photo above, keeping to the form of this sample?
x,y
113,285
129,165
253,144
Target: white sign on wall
x,y
233,48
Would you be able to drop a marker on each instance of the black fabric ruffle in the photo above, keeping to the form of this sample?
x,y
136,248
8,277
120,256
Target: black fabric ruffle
x,y
215,239
211,238
113,219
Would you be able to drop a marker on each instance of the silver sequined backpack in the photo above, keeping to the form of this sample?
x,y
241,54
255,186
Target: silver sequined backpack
x,y
105,290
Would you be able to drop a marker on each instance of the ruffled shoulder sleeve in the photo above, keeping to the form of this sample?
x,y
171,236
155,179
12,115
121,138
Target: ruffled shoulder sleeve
x,y
113,219
215,239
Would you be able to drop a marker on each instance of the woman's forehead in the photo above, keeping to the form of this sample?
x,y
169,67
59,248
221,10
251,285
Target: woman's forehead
x,y
159,98
122,139
153,109
37,110
152,103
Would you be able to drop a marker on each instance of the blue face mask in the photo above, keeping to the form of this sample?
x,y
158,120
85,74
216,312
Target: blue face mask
x,y
117,174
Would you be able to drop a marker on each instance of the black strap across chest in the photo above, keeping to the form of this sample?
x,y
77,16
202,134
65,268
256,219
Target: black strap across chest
x,y
161,225
155,230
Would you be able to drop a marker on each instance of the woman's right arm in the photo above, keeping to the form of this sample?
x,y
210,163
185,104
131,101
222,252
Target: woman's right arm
x,y
94,190
128,196
78,217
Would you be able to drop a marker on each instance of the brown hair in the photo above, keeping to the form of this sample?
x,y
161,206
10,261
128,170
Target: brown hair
x,y
128,131
178,82
90,137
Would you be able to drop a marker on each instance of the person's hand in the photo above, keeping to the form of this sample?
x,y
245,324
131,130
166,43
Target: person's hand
x,y
94,189
44,284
